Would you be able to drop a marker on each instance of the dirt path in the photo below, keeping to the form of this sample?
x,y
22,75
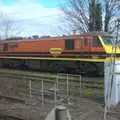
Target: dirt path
x,y
80,109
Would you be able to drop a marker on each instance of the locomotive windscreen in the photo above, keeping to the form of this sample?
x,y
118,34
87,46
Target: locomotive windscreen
x,y
108,40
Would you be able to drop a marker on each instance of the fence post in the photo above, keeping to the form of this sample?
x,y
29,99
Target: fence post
x,y
42,93
25,90
57,81
30,86
55,93
80,85
67,88
67,85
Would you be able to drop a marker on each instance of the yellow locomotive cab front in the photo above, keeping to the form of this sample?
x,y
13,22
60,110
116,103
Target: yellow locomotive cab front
x,y
107,43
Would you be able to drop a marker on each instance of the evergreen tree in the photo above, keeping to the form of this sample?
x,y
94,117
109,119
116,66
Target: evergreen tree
x,y
92,8
95,16
98,17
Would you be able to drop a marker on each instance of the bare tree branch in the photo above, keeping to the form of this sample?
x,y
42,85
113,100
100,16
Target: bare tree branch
x,y
77,12
112,9
8,27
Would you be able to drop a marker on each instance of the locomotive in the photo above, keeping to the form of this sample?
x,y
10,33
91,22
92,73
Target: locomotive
x,y
85,53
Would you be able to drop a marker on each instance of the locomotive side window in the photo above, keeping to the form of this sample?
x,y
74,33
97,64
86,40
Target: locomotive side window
x,y
85,42
13,45
5,47
96,42
69,44
1,47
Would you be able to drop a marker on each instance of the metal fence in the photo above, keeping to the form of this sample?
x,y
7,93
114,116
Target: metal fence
x,y
64,87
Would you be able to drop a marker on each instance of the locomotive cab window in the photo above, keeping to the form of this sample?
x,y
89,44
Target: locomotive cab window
x,y
96,42
69,44
108,40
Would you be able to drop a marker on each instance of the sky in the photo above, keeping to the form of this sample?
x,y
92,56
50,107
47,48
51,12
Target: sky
x,y
31,17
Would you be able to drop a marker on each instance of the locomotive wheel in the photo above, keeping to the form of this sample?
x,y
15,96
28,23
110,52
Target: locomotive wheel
x,y
88,68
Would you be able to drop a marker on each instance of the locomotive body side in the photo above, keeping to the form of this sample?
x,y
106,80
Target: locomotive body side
x,y
67,47
84,53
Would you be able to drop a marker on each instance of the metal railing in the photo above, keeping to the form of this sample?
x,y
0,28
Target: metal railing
x,y
62,88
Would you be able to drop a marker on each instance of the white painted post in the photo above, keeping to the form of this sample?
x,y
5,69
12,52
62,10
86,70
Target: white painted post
x,y
42,93
67,88
26,88
57,81
25,91
30,86
80,88
55,93
67,85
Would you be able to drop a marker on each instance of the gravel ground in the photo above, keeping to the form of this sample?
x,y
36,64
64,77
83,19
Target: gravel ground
x,y
80,109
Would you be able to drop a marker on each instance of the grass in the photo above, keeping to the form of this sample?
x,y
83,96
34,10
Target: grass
x,y
74,91
89,92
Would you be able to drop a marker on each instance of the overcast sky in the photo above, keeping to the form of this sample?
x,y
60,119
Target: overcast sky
x,y
42,17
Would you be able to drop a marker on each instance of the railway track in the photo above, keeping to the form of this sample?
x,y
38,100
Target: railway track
x,y
95,82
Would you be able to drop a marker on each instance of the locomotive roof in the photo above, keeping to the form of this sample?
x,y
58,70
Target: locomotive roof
x,y
87,34
95,34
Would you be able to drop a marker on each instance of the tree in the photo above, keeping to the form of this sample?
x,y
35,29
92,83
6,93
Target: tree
x,y
112,10
92,14
86,15
98,20
76,14
35,36
95,16
8,27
